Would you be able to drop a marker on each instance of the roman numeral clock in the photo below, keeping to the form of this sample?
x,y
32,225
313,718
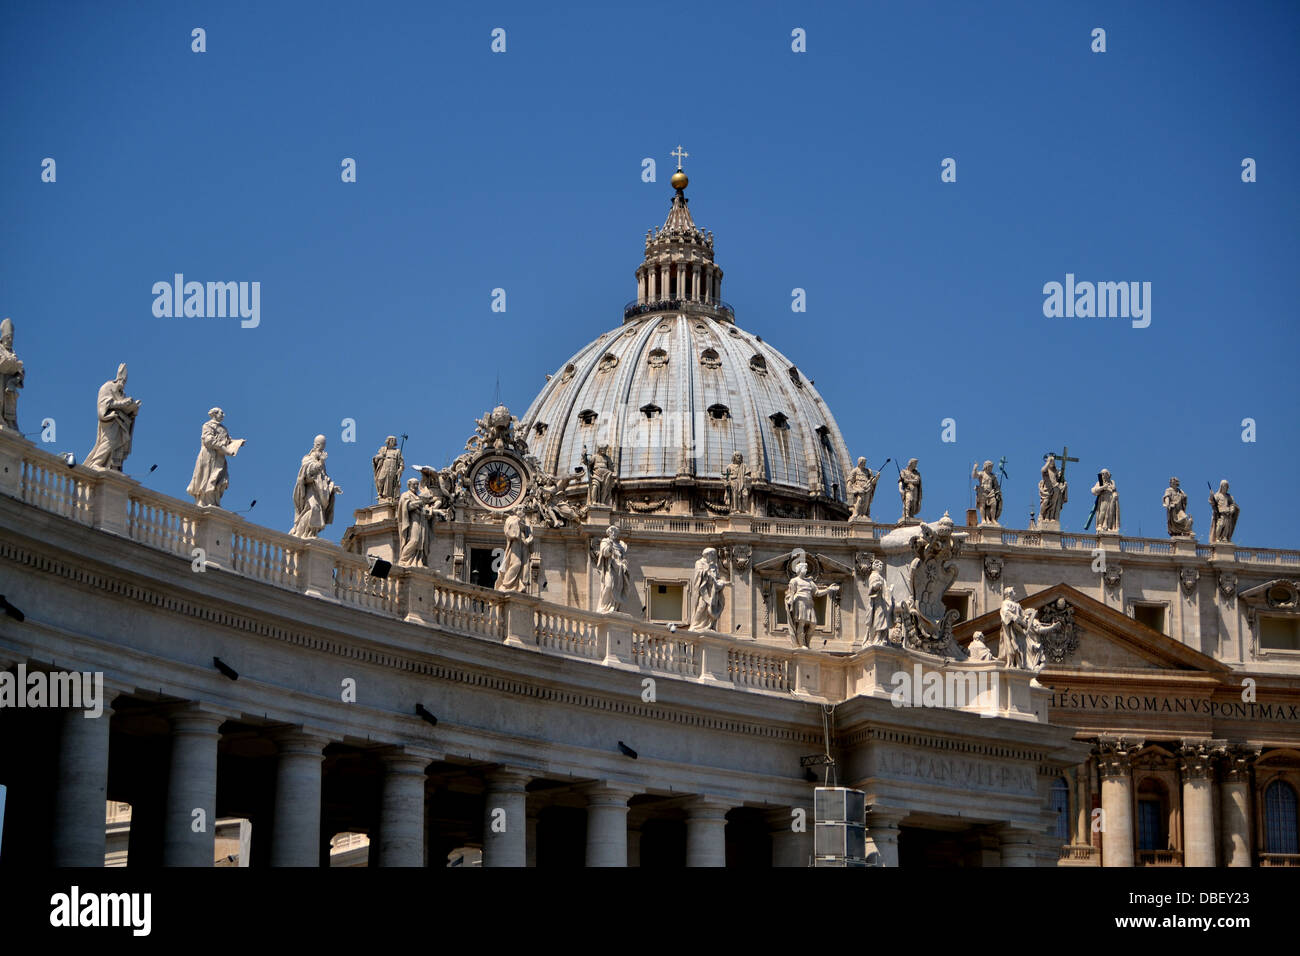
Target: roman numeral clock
x,y
497,483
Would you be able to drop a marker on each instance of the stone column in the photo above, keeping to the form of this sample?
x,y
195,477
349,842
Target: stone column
x,y
1234,803
1198,803
606,825
790,847
1082,774
80,802
401,812
1113,760
882,834
1016,846
189,836
706,832
505,819
295,829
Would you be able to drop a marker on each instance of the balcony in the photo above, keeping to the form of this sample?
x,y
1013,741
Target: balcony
x,y
717,308
1079,855
1159,857
1279,859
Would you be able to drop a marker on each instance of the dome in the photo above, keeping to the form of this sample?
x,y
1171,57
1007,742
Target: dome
x,y
678,390
676,394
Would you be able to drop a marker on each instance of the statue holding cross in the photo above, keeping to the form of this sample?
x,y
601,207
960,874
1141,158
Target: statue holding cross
x,y
1053,491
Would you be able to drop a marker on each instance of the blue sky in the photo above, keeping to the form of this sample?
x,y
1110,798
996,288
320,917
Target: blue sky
x,y
522,171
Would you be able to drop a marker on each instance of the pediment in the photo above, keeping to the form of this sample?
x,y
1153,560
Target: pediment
x,y
820,566
1107,639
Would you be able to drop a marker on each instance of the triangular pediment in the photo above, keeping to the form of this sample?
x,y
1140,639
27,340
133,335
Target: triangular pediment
x,y
819,565
1107,639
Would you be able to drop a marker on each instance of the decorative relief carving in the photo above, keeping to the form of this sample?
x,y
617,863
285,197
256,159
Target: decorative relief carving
x,y
1058,645
1227,585
992,569
1112,575
1114,755
1187,578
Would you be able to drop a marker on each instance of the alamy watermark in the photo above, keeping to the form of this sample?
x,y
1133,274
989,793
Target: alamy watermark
x,y
1102,300
76,690
211,300
950,688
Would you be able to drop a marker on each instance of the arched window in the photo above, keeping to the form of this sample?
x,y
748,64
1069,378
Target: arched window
x,y
1060,804
1280,819
587,416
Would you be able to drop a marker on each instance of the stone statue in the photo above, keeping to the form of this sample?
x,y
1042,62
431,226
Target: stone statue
x,y
601,480
313,493
615,579
1035,657
117,414
1177,519
977,651
1107,503
738,478
861,485
1226,512
440,490
389,465
1011,645
1053,492
211,477
549,501
909,487
415,514
519,544
496,431
880,596
705,594
988,494
1019,645
800,607
11,377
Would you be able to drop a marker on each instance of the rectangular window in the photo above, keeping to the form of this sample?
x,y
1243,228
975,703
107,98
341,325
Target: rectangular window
x,y
959,602
482,570
1279,633
820,607
1152,615
666,602
1149,825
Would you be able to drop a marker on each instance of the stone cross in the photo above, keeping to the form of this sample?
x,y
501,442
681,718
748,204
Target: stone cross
x,y
1063,457
680,154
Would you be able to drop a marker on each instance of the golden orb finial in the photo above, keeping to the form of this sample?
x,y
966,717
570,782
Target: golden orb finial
x,y
679,180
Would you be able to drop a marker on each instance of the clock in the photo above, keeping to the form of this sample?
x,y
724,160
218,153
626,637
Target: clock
x,y
497,483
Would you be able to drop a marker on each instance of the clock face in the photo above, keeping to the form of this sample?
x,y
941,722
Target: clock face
x,y
497,483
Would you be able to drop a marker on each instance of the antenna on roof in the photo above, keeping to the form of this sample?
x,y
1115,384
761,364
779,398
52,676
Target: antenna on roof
x,y
497,399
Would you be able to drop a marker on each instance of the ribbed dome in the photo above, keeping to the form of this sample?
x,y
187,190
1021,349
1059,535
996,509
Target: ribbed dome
x,y
675,394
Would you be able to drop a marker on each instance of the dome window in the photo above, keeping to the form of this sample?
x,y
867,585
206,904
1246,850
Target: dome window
x,y
587,416
824,433
780,421
570,370
719,412
658,358
665,327
758,364
608,363
651,411
540,428
709,358
796,377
